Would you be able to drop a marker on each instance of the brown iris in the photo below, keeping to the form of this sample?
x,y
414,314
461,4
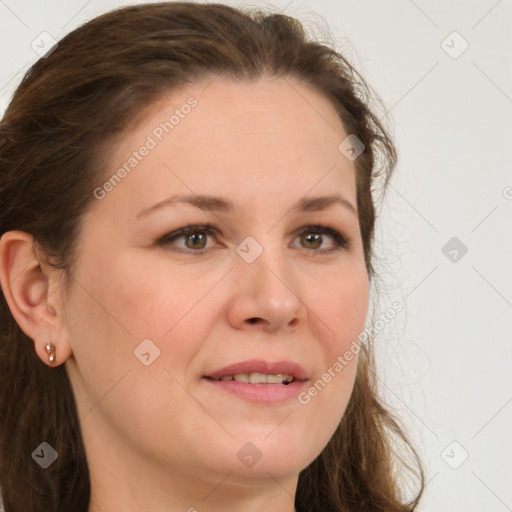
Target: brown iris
x,y
197,239
315,239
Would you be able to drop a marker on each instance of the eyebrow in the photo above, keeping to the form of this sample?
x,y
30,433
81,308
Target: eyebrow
x,y
220,204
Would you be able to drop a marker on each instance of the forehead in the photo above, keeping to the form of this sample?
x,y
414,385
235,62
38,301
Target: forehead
x,y
235,138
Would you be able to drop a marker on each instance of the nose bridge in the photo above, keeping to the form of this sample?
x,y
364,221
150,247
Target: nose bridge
x,y
266,287
265,262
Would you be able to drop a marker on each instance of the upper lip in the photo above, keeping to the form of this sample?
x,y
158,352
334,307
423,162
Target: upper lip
x,y
262,366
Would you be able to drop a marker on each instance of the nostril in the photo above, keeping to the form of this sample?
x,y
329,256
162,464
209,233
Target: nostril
x,y
294,322
253,320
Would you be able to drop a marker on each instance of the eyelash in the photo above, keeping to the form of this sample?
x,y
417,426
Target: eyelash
x,y
341,242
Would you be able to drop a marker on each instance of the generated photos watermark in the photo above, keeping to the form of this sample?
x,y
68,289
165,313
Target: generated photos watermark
x,y
156,136
344,359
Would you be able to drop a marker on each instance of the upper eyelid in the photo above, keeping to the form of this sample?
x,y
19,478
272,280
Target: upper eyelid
x,y
213,230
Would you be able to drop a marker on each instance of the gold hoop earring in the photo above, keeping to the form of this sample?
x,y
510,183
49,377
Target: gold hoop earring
x,y
50,349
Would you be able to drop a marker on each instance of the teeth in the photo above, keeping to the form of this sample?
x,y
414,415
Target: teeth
x,y
259,378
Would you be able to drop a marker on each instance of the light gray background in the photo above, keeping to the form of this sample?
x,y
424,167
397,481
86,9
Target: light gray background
x,y
446,361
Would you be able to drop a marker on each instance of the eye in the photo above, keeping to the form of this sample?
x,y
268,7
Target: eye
x,y
312,238
194,238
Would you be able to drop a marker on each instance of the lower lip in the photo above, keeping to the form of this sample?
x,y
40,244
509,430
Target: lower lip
x,y
260,393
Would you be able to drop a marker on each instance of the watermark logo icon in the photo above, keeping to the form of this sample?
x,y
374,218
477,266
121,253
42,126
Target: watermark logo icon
x,y
351,147
45,455
454,249
146,352
455,455
44,44
249,455
454,45
249,250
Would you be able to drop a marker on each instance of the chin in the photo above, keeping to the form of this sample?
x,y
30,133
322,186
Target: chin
x,y
268,454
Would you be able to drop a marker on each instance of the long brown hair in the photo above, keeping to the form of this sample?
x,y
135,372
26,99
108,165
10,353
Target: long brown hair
x,y
54,147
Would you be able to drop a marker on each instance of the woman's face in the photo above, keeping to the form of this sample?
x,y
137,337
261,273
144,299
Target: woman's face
x,y
155,313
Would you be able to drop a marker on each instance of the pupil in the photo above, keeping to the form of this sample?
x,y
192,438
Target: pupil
x,y
194,239
314,239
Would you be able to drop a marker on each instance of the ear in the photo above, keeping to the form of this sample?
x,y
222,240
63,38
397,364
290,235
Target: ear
x,y
33,293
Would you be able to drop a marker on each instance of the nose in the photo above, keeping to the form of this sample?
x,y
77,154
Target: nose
x,y
266,295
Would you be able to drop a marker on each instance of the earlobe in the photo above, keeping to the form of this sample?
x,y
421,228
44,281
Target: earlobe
x,y
50,350
32,301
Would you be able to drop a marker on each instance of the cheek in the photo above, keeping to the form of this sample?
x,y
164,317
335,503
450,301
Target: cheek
x,y
341,308
175,308
118,306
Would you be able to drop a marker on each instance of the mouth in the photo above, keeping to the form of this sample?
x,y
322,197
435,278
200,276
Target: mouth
x,y
260,381
259,371
257,378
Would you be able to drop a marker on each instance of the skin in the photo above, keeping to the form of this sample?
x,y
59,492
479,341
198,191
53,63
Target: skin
x,y
159,437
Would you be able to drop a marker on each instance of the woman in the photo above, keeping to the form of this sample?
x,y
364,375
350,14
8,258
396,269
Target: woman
x,y
186,259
